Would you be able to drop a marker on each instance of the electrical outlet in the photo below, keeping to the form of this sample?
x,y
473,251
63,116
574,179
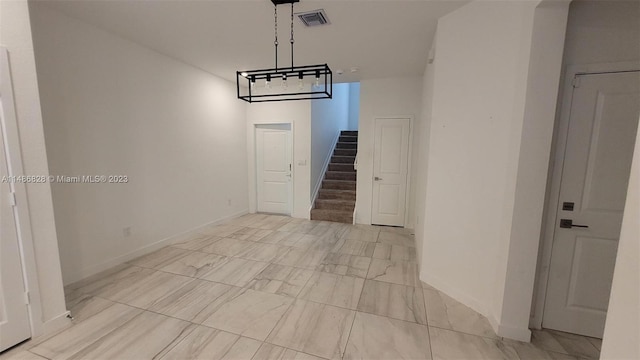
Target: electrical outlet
x,y
126,231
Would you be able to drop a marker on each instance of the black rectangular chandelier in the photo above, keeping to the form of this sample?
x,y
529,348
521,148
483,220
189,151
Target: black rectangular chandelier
x,y
304,82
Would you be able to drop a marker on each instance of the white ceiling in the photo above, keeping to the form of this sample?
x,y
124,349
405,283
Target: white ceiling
x,y
381,38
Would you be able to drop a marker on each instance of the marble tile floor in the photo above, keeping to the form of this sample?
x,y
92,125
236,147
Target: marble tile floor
x,y
273,287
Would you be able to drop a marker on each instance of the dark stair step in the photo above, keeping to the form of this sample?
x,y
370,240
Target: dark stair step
x,y
345,152
351,139
341,167
337,194
348,133
343,159
332,215
346,145
340,175
339,184
334,204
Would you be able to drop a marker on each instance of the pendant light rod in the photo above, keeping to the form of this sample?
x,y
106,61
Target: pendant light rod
x,y
292,41
275,21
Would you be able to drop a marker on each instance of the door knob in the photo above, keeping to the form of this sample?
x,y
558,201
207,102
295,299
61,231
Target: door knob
x,y
568,224
377,178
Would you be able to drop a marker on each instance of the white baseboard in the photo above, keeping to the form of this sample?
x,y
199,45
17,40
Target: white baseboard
x,y
97,268
454,293
520,334
510,332
535,322
55,324
178,237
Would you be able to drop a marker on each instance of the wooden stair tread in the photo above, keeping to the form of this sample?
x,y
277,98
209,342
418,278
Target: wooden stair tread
x,y
332,215
342,212
338,190
340,181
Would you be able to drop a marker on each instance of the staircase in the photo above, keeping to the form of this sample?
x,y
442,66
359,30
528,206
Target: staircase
x,y
337,196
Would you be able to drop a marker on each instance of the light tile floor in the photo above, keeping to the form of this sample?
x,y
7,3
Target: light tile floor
x,y
273,287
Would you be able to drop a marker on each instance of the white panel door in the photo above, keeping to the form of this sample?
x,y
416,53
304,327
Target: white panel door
x,y
14,316
390,162
273,169
599,148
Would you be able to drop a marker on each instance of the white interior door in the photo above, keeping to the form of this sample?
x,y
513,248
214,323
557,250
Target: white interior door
x,y
14,316
390,163
273,168
597,162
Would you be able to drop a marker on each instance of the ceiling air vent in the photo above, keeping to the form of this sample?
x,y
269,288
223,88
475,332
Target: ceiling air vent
x,y
314,18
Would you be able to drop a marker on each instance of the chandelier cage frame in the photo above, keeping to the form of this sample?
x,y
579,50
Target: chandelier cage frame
x,y
246,80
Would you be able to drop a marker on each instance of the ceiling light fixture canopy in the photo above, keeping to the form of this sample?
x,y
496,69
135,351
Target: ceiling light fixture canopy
x,y
290,82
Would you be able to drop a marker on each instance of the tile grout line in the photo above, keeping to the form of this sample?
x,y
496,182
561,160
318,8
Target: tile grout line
x,y
101,337
297,297
168,347
245,286
426,314
44,357
172,317
497,338
139,308
286,311
284,347
278,322
357,306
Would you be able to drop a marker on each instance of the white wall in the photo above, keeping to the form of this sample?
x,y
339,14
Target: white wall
x,y
491,125
602,31
379,98
622,329
328,118
112,107
468,146
298,114
44,279
354,105
597,32
530,161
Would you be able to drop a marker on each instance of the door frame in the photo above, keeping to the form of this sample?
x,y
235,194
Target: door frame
x,y
253,164
22,216
407,218
554,179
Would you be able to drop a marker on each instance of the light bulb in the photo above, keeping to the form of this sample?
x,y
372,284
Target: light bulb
x,y
253,82
267,83
317,78
300,82
284,81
